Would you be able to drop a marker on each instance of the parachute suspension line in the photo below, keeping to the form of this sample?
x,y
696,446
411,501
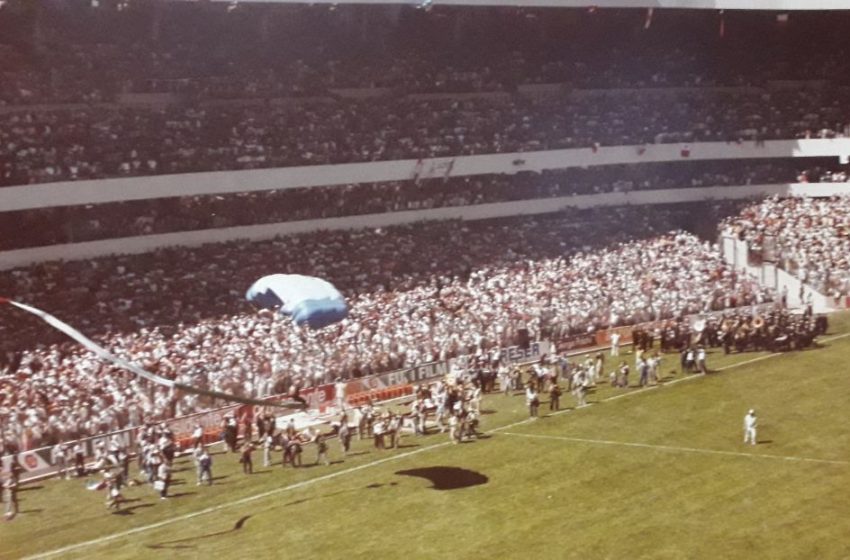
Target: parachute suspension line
x,y
107,356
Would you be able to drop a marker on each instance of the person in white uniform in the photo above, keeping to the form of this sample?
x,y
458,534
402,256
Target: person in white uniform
x,y
750,425
615,344
339,393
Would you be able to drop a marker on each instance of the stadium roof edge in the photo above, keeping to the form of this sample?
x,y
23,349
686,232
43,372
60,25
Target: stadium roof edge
x,y
766,5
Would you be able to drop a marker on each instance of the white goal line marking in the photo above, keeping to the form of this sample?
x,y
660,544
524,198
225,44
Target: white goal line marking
x,y
248,499
677,448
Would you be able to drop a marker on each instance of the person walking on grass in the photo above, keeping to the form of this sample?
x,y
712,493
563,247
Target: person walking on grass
x,y
623,375
322,451
379,429
643,370
554,397
394,430
344,434
268,447
454,429
580,386
163,479
750,425
246,459
10,497
295,452
60,460
204,467
114,499
700,361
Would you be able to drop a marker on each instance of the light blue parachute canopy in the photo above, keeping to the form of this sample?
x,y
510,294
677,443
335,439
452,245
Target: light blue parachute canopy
x,y
308,300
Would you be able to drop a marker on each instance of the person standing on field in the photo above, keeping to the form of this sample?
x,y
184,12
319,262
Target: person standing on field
x,y
532,400
268,447
339,393
322,451
554,397
204,467
10,497
750,425
580,386
163,479
344,434
246,458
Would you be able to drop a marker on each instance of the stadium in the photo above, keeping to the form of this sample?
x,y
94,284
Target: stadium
x,y
431,279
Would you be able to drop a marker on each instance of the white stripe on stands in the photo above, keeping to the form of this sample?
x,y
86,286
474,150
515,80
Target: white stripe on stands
x,y
296,486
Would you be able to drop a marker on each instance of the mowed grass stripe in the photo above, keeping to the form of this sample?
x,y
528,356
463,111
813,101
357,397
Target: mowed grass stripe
x,y
677,448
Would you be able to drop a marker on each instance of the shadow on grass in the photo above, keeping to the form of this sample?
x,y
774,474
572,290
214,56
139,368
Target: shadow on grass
x,y
372,486
296,502
184,543
181,494
131,510
312,465
375,485
447,478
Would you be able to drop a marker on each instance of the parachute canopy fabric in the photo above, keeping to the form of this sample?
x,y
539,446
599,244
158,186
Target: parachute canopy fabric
x,y
308,300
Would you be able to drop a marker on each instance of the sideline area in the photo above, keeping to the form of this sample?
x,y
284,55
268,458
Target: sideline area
x,y
510,414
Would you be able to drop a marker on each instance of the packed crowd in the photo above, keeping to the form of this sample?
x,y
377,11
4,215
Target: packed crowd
x,y
39,227
417,293
823,175
79,53
148,51
809,237
92,143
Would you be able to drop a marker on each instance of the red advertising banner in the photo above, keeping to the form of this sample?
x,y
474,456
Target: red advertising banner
x,y
210,421
574,342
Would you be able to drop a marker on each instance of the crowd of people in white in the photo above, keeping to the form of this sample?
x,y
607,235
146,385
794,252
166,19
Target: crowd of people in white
x,y
809,237
417,294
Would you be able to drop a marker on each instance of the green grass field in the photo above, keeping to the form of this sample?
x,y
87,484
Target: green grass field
x,y
661,473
